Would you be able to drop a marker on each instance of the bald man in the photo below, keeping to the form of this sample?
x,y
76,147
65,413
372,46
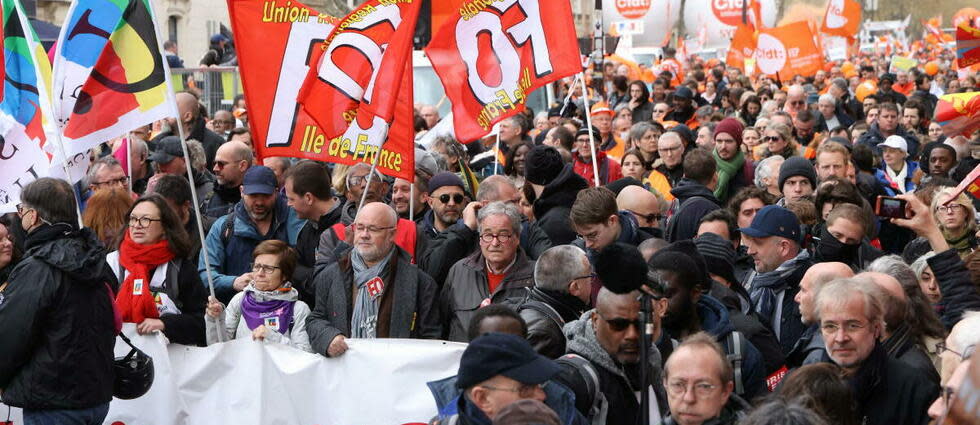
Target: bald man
x,y
230,164
898,338
373,290
193,125
810,347
642,203
795,100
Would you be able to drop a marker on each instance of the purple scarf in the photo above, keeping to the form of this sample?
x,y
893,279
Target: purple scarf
x,y
276,314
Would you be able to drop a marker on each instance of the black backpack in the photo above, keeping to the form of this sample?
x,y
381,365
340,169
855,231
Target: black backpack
x,y
599,405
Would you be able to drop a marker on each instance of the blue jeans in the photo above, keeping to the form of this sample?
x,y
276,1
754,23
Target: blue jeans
x,y
89,416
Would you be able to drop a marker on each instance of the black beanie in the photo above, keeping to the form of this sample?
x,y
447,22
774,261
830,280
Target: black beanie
x,y
618,185
542,165
797,166
585,132
719,255
445,179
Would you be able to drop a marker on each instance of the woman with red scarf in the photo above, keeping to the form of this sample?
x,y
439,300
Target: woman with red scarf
x,y
268,309
161,289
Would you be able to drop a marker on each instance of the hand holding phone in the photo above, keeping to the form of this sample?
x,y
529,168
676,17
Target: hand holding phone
x,y
889,207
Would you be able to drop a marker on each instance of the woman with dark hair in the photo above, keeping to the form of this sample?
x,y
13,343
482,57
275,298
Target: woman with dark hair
x,y
749,111
268,309
640,102
9,254
821,388
515,161
160,289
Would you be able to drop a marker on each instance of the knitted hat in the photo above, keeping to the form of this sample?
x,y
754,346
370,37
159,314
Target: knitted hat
x,y
595,134
719,255
445,179
797,166
542,164
683,92
730,126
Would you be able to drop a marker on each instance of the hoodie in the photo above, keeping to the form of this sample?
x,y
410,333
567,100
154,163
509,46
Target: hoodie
x,y
552,207
63,281
694,201
619,388
716,321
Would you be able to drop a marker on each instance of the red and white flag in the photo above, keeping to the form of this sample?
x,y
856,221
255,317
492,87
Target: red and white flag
x,y
491,55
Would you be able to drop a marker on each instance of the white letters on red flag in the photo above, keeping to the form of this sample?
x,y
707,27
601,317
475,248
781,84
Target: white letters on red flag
x,y
490,55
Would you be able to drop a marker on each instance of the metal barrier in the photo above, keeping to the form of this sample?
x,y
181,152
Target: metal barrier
x,y
218,86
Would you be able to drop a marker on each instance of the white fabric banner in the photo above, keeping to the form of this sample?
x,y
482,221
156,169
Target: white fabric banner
x,y
377,381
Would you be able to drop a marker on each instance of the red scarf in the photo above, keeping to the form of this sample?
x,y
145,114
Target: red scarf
x,y
136,301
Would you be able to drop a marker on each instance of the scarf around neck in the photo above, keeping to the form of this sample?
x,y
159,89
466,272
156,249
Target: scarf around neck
x,y
370,287
897,180
274,313
765,286
727,171
136,300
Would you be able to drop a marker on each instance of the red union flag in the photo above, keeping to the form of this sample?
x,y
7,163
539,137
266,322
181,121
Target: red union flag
x,y
359,66
490,55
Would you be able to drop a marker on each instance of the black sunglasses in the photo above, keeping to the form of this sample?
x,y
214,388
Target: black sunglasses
x,y
457,198
620,324
772,138
648,217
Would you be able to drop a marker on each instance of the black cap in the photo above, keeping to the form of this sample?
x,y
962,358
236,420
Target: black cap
x,y
495,354
684,92
887,76
259,179
168,148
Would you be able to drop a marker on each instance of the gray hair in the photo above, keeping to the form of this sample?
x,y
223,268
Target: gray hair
x,y
920,264
840,83
778,411
893,266
639,129
199,159
501,208
764,169
98,165
671,135
489,189
555,269
827,98
836,293
966,332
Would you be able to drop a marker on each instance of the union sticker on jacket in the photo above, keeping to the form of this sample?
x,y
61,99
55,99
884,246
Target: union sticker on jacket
x,y
272,322
137,286
375,287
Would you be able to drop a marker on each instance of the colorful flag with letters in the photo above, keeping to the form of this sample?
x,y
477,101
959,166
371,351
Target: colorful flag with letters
x,y
958,113
109,75
967,46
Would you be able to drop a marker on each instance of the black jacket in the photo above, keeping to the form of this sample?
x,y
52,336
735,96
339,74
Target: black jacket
x,y
904,347
694,200
540,309
959,293
551,209
843,121
56,323
306,244
209,140
888,392
221,201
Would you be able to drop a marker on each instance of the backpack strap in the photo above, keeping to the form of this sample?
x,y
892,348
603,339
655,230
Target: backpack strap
x,y
599,409
734,340
543,308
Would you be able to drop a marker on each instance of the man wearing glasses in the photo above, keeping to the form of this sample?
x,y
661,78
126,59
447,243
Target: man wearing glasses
x,y
495,371
700,384
562,291
795,100
107,173
851,322
372,290
498,271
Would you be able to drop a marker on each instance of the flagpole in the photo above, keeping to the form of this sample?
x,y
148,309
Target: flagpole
x,y
129,159
588,120
411,200
374,167
64,164
496,155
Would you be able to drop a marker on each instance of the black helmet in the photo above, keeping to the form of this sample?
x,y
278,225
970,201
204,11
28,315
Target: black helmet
x,y
134,373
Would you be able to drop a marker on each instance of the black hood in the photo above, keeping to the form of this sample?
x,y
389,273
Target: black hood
x,y
688,188
561,192
78,253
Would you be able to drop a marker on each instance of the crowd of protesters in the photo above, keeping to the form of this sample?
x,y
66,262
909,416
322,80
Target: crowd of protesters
x,y
741,207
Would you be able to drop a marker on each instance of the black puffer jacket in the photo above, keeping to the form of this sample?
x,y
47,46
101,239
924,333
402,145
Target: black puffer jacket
x,y
56,323
552,207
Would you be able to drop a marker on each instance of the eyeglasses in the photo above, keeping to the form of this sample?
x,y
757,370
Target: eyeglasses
x,y
141,221
457,198
374,230
772,138
949,209
489,237
620,324
22,210
360,180
664,151
264,268
849,328
701,389
115,182
797,102
524,390
650,218
966,354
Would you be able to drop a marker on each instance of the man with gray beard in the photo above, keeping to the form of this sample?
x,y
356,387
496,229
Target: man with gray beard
x,y
373,290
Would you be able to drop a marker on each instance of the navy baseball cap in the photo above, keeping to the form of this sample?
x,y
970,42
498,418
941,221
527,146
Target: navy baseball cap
x,y
509,355
684,92
774,220
259,179
167,149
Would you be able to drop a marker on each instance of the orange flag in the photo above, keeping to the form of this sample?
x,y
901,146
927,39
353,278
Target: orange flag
x,y
788,50
742,47
842,18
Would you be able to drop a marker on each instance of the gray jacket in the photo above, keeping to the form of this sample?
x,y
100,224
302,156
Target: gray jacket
x,y
467,287
406,311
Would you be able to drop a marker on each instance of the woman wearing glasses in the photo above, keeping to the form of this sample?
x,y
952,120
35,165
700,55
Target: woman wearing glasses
x,y
160,289
779,140
268,309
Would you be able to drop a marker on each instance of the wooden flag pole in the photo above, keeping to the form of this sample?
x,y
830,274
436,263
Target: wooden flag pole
x,y
588,119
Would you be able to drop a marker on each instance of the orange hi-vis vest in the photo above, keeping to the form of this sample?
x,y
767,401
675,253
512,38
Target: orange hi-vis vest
x,y
405,235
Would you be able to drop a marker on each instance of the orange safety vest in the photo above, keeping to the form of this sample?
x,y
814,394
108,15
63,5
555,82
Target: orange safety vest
x,y
405,235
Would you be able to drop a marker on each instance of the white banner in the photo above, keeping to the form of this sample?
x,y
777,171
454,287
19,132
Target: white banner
x,y
377,381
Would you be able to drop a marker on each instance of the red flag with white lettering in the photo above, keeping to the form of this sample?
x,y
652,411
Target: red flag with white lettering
x,y
490,55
